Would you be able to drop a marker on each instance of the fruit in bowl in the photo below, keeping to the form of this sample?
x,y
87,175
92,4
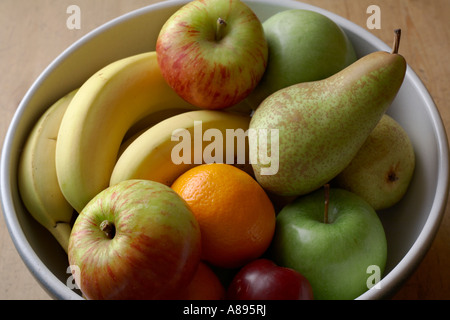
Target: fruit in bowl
x,y
363,45
262,279
135,240
236,217
304,45
213,53
382,170
322,124
334,238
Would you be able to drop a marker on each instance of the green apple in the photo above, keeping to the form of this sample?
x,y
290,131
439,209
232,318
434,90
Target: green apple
x,y
212,53
304,46
382,170
335,239
135,240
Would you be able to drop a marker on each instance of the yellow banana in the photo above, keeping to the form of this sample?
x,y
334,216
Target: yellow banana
x,y
37,181
147,122
106,106
173,146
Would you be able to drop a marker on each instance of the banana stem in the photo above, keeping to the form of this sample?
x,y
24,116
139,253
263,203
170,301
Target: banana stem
x,y
398,33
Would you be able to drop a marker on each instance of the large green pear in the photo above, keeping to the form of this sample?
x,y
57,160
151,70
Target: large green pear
x,y
304,46
383,168
318,127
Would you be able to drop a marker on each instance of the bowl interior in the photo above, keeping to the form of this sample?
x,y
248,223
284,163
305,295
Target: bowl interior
x,y
410,225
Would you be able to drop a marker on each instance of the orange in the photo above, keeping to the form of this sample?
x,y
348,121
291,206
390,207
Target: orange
x,y
205,285
235,215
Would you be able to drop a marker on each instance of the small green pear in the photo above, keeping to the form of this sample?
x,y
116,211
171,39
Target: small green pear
x,y
383,168
304,45
318,127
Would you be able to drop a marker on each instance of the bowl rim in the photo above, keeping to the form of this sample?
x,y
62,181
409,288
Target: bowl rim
x,y
411,260
392,280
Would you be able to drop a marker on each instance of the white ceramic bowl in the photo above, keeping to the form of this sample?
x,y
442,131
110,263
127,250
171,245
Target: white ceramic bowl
x,y
410,226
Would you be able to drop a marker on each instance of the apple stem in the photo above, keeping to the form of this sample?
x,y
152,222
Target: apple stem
x,y
108,228
221,24
327,201
398,33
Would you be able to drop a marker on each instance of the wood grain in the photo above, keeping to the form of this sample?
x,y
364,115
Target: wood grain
x,y
33,33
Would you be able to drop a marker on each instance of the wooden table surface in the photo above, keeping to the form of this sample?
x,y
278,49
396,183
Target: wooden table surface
x,y
33,33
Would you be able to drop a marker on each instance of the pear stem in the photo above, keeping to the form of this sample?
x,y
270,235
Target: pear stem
x,y
398,33
108,228
327,201
221,25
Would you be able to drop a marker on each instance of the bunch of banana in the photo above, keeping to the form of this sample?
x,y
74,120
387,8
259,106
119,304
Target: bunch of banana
x,y
125,109
151,155
37,181
106,106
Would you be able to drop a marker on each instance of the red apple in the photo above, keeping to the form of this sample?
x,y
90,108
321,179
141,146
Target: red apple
x,y
262,279
135,240
212,53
